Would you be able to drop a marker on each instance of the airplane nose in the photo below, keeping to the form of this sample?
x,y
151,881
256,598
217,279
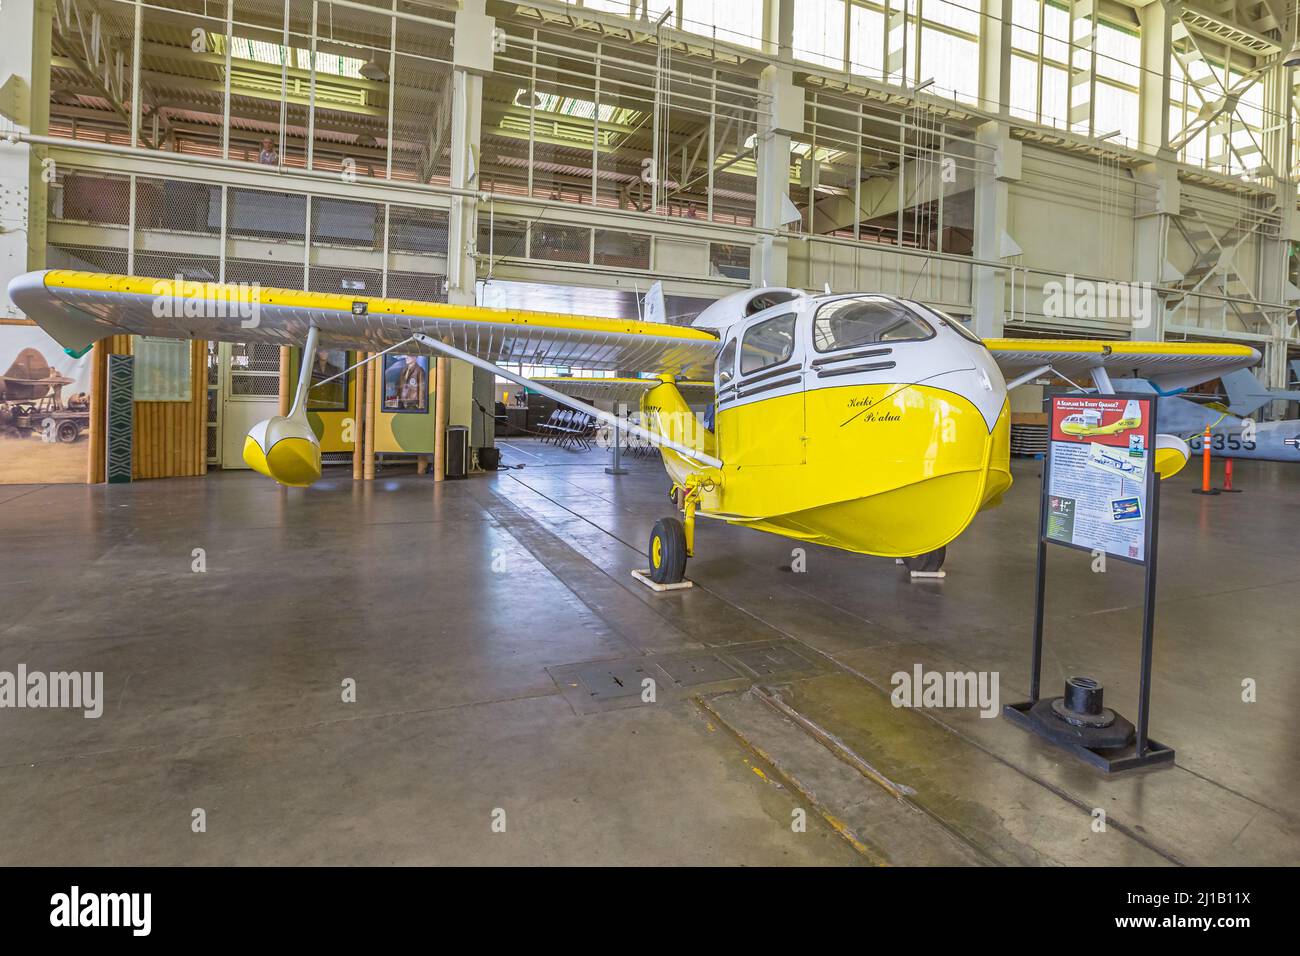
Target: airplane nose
x,y
285,449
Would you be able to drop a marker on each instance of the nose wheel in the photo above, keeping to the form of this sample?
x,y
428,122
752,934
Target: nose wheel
x,y
667,551
930,563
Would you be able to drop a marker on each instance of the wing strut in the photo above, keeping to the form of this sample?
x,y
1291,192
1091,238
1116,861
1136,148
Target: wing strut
x,y
1030,376
299,409
612,420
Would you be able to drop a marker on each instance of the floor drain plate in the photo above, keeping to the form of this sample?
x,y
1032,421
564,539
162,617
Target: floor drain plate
x,y
609,681
705,669
770,661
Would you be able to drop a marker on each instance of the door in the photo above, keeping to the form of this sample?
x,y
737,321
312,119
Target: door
x,y
250,392
760,415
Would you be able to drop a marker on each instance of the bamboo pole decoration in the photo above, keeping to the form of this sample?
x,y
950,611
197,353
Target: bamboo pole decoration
x,y
285,375
98,413
201,406
442,396
373,381
359,414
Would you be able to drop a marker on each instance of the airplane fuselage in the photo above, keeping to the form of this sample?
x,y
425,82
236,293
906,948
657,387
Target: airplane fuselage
x,y
860,422
1230,436
1266,441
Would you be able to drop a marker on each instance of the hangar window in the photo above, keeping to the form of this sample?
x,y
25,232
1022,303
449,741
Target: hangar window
x,y
865,320
768,343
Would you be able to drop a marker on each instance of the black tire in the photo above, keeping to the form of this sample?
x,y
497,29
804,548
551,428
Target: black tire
x,y
667,551
930,562
69,432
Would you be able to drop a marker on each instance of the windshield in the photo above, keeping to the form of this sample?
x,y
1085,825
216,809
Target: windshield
x,y
866,320
955,324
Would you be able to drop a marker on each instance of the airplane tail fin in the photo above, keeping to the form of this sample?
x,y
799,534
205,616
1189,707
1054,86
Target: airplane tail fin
x,y
656,310
1245,393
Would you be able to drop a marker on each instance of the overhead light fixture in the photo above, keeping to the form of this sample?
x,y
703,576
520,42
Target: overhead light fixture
x,y
522,99
924,84
1111,135
1292,57
372,70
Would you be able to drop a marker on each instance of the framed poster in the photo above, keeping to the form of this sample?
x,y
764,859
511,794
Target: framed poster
x,y
1100,474
406,383
332,397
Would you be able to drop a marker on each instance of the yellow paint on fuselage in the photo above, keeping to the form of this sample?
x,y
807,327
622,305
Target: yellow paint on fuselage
x,y
890,470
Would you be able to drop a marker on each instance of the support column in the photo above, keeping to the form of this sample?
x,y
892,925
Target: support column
x,y
359,417
992,239
25,108
1160,201
1157,204
1275,249
286,377
475,42
995,56
24,102
374,396
1153,89
769,258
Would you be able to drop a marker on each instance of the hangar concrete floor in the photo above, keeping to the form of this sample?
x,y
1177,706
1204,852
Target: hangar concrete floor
x,y
498,644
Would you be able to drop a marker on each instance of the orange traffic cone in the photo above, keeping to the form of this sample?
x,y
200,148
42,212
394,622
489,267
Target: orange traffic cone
x,y
1205,488
1227,479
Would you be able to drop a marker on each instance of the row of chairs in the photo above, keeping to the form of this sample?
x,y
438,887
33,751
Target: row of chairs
x,y
639,449
569,429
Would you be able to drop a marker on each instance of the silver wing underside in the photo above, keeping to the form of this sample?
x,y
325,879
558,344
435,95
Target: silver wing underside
x,y
79,317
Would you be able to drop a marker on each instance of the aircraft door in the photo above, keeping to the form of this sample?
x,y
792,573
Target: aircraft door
x,y
724,385
760,410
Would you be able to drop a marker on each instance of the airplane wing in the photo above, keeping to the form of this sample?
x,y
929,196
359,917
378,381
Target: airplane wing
x,y
1167,365
627,390
79,308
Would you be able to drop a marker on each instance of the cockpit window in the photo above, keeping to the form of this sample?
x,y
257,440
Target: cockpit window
x,y
766,300
865,320
767,343
955,324
727,364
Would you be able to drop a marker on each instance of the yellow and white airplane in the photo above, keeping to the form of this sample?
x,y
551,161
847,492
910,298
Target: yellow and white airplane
x,y
860,421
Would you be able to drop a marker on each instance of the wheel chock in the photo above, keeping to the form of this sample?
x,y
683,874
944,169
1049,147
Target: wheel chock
x,y
644,578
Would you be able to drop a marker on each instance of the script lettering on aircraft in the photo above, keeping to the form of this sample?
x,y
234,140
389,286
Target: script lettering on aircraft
x,y
867,411
882,417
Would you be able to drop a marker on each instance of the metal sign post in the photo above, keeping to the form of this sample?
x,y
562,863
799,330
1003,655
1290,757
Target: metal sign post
x,y
1101,494
621,411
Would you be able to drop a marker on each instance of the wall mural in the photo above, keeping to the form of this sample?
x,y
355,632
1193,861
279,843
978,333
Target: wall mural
x,y
45,415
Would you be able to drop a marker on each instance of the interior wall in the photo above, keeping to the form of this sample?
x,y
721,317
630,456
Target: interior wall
x,y
169,439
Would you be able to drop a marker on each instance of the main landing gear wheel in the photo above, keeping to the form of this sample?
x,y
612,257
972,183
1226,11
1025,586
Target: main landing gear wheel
x,y
927,563
667,551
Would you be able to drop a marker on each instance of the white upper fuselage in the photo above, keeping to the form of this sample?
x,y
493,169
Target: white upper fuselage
x,y
923,347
